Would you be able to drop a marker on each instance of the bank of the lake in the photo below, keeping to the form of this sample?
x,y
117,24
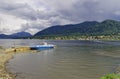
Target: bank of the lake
x,y
5,56
78,37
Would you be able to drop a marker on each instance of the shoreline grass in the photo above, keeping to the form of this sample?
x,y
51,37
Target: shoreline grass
x,y
111,76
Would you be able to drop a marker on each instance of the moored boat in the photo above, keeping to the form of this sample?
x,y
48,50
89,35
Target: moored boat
x,y
42,47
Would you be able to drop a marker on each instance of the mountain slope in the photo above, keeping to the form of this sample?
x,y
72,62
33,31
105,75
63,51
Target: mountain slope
x,y
15,35
67,29
21,34
106,27
3,36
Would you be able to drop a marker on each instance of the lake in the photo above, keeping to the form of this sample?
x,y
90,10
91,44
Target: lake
x,y
71,59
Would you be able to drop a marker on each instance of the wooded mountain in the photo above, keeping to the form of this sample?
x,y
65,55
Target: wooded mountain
x,y
107,27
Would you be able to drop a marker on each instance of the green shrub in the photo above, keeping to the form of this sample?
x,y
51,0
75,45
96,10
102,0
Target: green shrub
x,y
111,76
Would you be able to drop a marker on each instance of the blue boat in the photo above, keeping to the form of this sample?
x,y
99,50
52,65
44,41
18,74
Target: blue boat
x,y
42,47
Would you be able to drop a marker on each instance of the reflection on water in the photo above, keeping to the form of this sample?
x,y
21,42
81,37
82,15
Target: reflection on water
x,y
70,60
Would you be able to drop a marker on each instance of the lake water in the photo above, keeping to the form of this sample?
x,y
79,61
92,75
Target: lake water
x,y
69,60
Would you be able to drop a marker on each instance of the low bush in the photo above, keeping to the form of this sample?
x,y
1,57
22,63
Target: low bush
x,y
111,76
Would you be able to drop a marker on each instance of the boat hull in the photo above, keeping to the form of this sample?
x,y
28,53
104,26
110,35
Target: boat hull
x,y
42,47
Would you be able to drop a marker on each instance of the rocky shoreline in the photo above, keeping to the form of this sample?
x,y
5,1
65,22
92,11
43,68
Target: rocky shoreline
x,y
5,56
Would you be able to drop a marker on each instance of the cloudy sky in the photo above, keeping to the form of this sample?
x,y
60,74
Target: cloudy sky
x,y
35,15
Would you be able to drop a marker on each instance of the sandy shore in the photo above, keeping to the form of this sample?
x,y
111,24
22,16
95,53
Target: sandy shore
x,y
5,56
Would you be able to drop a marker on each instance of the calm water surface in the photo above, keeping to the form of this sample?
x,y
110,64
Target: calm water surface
x,y
69,60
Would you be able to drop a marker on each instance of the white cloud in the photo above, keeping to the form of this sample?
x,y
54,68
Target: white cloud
x,y
9,23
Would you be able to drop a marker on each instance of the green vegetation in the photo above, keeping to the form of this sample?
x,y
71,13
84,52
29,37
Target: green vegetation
x,y
111,76
79,37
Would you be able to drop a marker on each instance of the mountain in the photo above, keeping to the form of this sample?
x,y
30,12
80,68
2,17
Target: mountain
x,y
15,35
3,36
68,29
21,34
107,27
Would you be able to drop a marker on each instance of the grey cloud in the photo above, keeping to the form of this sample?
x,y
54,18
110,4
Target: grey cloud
x,y
73,10
19,10
5,30
25,11
36,26
82,10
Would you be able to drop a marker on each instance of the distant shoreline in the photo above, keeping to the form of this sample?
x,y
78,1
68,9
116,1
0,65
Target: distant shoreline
x,y
101,37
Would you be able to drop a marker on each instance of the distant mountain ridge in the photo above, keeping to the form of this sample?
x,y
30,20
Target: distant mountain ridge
x,y
21,34
15,35
106,27
3,36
